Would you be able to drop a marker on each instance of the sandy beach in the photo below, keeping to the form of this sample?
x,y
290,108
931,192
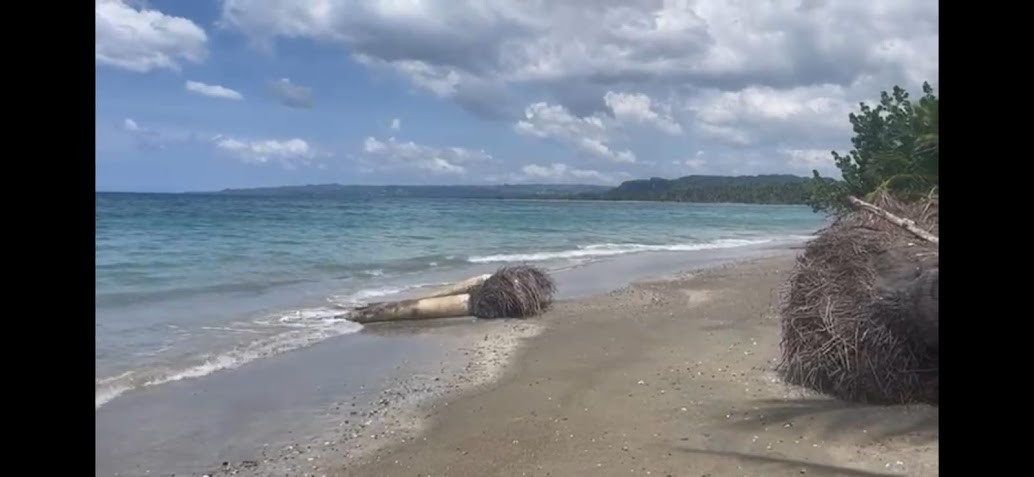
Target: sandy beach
x,y
664,378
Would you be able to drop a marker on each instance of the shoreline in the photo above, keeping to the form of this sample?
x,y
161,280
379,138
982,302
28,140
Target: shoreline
x,y
264,411
461,357
300,315
625,384
484,351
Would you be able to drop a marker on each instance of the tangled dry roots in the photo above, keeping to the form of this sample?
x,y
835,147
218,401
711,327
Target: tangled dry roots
x,y
513,292
859,316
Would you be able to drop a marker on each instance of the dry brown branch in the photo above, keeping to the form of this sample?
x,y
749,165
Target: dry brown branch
x,y
513,292
907,224
859,313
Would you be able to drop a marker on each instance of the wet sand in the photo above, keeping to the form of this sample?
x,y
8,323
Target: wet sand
x,y
663,378
325,406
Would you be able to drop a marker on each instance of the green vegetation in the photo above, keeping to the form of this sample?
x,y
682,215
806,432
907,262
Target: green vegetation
x,y
763,189
895,151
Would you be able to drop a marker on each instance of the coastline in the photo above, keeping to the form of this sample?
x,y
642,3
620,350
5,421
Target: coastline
x,y
600,385
319,396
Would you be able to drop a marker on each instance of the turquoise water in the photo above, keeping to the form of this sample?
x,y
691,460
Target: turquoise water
x,y
191,284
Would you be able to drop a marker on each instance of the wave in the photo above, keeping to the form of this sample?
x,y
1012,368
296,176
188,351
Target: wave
x,y
127,298
284,331
304,327
363,297
307,327
260,284
611,249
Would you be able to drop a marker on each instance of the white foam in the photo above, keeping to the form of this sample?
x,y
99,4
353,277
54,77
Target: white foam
x,y
362,297
222,328
310,326
305,318
803,237
307,327
115,378
262,348
107,393
610,249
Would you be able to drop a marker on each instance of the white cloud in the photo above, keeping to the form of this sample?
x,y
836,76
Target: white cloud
x,y
141,40
396,124
640,108
290,153
213,90
748,79
149,137
588,134
694,164
290,94
806,160
149,134
677,41
559,172
764,115
446,160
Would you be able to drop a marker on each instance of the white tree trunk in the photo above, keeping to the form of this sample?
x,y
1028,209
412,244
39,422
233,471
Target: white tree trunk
x,y
460,287
451,306
907,224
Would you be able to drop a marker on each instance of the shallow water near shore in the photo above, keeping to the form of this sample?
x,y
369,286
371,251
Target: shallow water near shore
x,y
307,397
219,327
192,285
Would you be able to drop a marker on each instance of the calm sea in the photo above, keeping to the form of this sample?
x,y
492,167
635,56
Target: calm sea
x,y
191,284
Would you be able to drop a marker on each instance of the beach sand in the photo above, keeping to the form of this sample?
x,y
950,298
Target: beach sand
x,y
663,378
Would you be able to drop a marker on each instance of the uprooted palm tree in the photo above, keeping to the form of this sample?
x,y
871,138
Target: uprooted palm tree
x,y
860,314
511,292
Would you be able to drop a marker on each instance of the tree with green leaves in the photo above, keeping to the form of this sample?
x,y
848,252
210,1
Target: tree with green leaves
x,y
895,151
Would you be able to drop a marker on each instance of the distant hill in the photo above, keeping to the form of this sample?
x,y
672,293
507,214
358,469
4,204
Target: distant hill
x,y
763,189
504,191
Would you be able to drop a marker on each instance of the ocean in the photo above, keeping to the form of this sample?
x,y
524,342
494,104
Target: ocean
x,y
219,319
187,285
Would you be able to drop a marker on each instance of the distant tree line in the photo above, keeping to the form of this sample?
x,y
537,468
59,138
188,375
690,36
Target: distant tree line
x,y
763,189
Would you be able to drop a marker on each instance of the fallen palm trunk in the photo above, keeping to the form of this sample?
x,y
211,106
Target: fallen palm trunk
x,y
907,224
464,286
511,292
457,288
449,306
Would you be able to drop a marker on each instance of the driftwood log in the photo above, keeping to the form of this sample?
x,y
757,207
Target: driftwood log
x,y
510,292
907,224
464,286
448,306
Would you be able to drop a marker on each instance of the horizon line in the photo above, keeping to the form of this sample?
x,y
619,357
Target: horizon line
x,y
98,191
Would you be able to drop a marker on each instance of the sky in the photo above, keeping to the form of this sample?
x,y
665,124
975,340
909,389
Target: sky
x,y
212,94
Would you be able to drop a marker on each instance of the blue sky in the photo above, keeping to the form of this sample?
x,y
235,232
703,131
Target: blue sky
x,y
208,94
